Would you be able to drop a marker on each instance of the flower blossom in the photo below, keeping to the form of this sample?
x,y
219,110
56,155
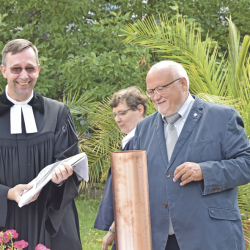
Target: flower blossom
x,y
12,233
4,237
41,247
20,244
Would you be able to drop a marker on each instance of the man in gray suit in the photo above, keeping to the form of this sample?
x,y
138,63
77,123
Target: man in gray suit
x,y
197,156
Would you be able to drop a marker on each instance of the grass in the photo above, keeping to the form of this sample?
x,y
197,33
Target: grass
x,y
87,209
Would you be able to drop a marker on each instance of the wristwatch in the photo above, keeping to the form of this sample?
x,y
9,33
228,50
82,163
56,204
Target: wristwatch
x,y
111,231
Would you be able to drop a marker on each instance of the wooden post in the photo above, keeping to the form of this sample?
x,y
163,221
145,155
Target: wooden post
x,y
131,200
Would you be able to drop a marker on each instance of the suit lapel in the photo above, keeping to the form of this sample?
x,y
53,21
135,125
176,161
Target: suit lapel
x,y
192,119
159,125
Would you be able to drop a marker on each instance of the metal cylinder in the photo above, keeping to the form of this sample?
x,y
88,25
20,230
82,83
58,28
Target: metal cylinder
x,y
131,200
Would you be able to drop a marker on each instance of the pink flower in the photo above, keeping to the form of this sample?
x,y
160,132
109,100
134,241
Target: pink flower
x,y
20,244
5,237
12,233
15,235
41,247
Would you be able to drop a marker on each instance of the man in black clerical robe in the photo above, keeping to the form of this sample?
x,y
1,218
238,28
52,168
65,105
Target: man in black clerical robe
x,y
39,133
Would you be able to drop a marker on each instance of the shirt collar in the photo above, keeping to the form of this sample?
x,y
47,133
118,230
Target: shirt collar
x,y
127,138
184,108
37,102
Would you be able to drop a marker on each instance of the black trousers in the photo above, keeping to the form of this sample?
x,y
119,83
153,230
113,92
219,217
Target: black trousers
x,y
172,243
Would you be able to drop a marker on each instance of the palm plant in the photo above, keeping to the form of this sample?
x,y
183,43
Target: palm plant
x,y
79,103
105,138
210,77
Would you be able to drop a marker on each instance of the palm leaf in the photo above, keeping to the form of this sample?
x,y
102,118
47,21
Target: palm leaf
x,y
173,40
229,101
105,138
78,103
239,85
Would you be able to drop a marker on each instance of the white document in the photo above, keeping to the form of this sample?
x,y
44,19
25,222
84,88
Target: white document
x,y
80,162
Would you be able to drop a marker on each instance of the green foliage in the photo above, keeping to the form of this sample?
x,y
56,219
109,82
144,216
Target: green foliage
x,y
175,40
246,118
78,40
78,43
223,80
211,15
105,138
79,105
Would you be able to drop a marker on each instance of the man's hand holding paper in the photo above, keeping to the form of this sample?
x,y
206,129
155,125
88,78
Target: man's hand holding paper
x,y
57,172
16,192
62,173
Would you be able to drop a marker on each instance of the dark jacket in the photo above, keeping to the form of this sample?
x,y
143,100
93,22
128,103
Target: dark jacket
x,y
205,214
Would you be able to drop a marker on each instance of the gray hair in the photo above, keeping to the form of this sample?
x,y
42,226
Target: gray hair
x,y
177,69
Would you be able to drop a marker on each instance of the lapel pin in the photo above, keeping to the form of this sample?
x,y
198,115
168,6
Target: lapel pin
x,y
195,115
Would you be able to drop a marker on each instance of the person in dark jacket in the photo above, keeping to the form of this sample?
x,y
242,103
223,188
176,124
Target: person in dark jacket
x,y
129,107
197,156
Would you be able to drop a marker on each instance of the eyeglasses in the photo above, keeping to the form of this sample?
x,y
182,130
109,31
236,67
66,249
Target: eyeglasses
x,y
159,90
18,70
121,113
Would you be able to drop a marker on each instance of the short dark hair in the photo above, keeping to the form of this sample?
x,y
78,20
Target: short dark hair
x,y
132,97
16,46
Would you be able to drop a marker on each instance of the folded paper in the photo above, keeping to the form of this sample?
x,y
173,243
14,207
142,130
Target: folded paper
x,y
80,163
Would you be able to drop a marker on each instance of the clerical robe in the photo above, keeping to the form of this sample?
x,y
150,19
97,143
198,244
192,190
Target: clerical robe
x,y
52,219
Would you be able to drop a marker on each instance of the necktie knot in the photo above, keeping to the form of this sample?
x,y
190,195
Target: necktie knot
x,y
172,118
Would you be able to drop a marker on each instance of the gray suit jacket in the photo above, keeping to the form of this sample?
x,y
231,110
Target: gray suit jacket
x,y
205,214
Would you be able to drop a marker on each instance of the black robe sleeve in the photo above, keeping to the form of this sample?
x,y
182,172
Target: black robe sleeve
x,y
105,215
3,204
66,145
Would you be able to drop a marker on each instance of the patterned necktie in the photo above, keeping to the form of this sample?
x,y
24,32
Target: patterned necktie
x,y
172,135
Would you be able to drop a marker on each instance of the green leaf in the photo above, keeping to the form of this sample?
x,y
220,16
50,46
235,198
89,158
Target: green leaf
x,y
93,55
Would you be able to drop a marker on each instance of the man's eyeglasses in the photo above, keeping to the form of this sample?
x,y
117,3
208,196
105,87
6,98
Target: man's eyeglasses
x,y
18,70
159,90
120,114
